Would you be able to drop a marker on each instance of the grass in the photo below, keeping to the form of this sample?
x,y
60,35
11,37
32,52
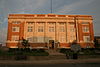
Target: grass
x,y
14,52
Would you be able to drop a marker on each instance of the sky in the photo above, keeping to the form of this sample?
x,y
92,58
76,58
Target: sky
x,y
68,7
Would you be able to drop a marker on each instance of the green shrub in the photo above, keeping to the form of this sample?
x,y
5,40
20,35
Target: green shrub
x,y
63,50
26,52
39,52
88,51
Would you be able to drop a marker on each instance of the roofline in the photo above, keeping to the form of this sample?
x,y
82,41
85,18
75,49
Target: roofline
x,y
51,14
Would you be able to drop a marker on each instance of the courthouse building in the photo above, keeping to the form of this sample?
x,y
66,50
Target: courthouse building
x,y
50,30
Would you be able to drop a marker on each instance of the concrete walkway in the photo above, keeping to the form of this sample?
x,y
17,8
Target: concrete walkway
x,y
51,61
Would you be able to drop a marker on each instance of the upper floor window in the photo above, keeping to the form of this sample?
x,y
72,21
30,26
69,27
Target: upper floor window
x,y
72,28
51,29
41,23
62,39
30,28
40,29
62,23
15,29
85,29
30,22
62,29
16,22
51,23
72,37
15,38
85,22
86,38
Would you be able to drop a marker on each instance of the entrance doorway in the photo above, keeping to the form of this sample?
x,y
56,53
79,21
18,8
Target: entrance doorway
x,y
51,44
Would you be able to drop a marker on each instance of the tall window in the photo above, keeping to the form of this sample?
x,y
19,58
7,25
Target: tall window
x,y
51,29
72,37
72,28
15,38
30,28
16,22
40,29
62,39
62,23
40,39
51,23
85,29
30,22
86,38
30,39
15,29
61,28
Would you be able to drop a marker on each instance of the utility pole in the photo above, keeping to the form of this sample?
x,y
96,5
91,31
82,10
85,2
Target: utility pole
x,y
51,6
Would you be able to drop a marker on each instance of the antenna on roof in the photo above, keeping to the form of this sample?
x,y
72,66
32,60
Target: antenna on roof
x,y
51,5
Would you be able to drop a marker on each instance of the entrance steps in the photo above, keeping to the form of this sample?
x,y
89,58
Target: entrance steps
x,y
54,54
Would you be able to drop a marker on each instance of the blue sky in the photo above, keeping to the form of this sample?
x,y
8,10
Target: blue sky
x,y
83,7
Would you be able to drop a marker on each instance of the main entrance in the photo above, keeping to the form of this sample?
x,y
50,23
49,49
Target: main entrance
x,y
51,44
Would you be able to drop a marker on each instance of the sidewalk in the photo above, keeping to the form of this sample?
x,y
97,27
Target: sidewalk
x,y
64,61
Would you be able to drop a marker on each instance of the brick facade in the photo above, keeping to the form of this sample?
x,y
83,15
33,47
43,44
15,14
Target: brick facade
x,y
40,29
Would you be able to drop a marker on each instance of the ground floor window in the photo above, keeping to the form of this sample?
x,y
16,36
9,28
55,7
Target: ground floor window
x,y
15,38
40,39
86,38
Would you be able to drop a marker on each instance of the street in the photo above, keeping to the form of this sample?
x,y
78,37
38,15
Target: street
x,y
53,65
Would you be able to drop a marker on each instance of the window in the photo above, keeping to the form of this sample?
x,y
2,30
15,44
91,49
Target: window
x,y
85,22
30,22
40,39
30,39
41,23
15,29
61,28
34,39
16,22
51,23
62,39
30,29
72,37
15,38
72,29
40,28
51,29
85,29
86,38
61,23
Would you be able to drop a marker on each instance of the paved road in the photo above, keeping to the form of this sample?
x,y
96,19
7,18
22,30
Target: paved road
x,y
53,65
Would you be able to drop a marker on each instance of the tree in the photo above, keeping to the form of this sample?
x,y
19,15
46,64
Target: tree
x,y
25,43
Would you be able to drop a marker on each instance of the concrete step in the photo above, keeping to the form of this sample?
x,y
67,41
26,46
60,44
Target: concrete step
x,y
50,57
54,52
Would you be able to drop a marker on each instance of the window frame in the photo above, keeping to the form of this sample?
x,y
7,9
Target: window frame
x,y
85,29
30,29
40,28
51,29
15,38
86,39
15,29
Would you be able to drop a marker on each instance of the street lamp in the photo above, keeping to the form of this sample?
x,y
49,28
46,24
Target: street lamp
x,y
1,31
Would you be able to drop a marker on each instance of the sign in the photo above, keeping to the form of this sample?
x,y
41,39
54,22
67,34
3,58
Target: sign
x,y
75,47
